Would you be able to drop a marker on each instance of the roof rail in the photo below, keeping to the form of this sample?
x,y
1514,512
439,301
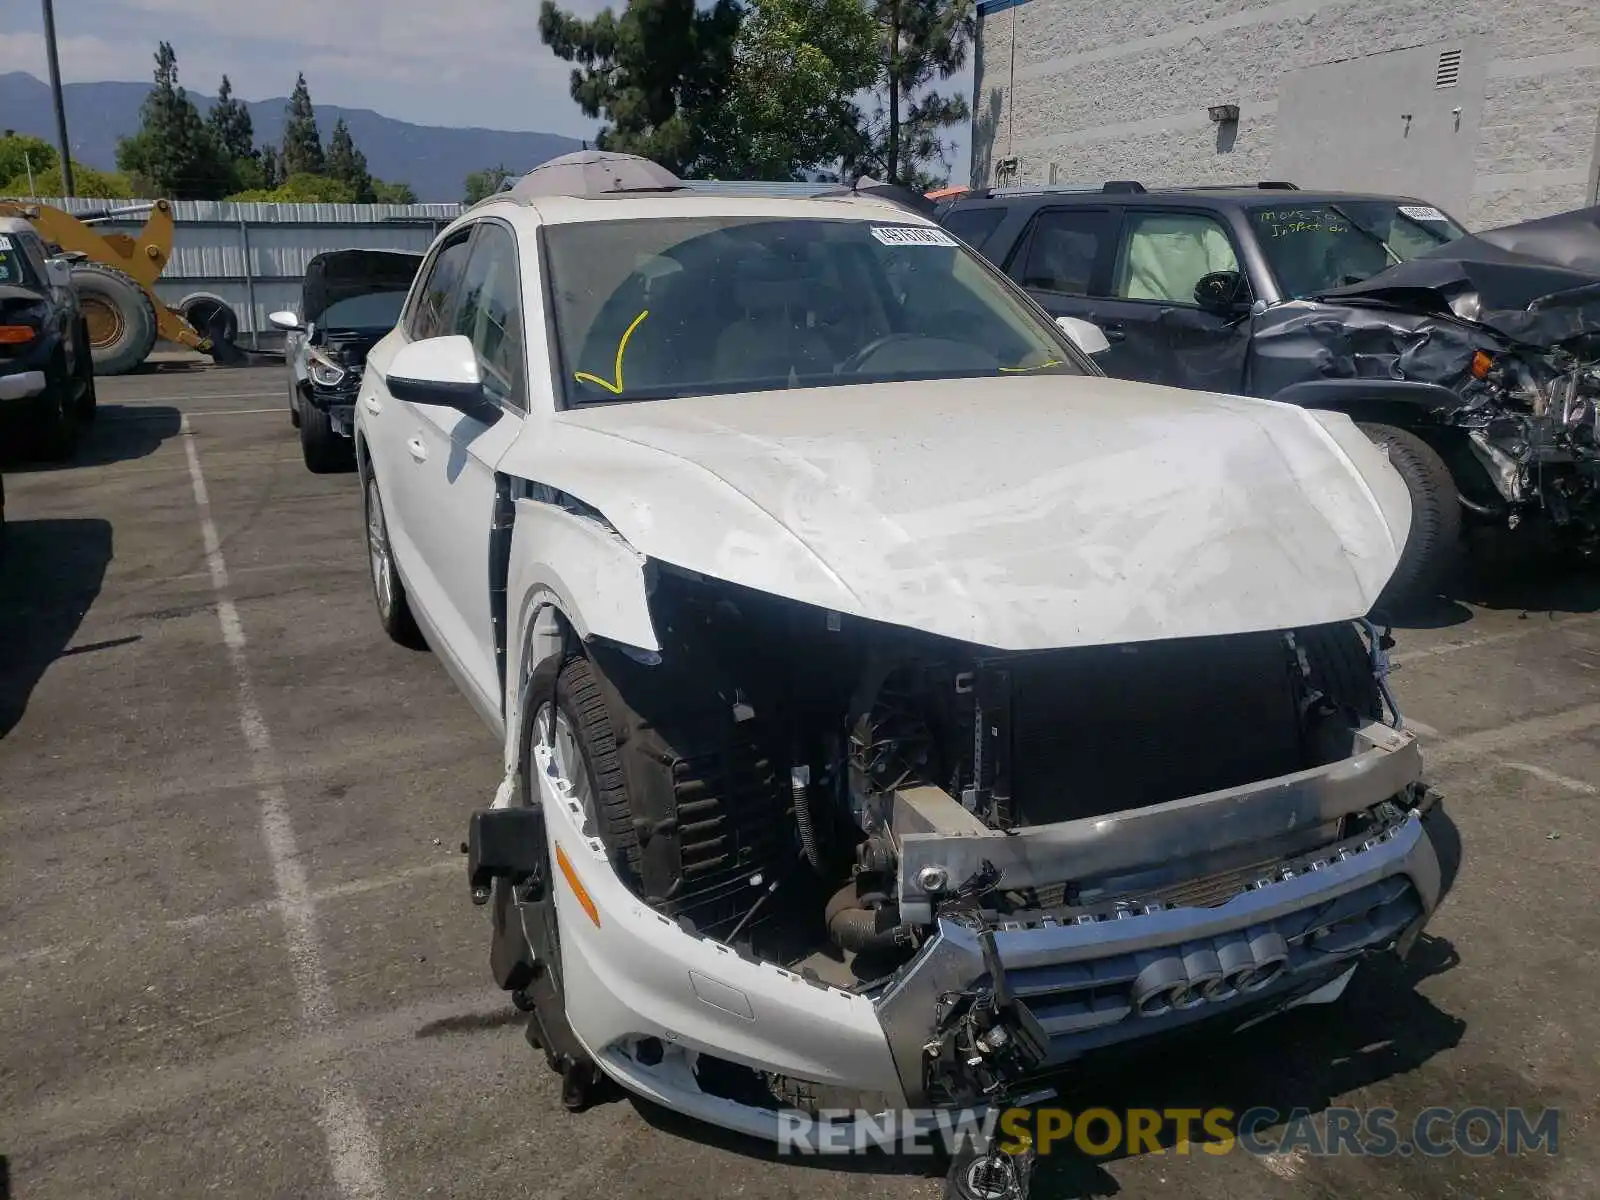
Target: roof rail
x,y
1124,185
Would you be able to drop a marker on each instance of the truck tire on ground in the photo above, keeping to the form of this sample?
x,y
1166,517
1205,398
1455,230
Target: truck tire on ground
x,y
120,317
212,319
1435,536
326,452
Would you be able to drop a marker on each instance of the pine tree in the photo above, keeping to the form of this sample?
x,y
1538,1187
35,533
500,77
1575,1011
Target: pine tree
x,y
230,124
271,158
175,153
302,140
348,165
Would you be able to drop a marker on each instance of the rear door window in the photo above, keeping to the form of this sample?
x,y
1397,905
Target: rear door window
x,y
1062,249
1163,255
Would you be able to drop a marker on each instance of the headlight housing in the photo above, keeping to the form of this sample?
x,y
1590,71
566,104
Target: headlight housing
x,y
323,370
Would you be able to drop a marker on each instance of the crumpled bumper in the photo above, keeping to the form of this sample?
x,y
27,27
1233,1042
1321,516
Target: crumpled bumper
x,y
1074,988
656,1006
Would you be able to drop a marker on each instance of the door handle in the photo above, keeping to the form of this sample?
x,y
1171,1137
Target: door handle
x,y
416,449
371,403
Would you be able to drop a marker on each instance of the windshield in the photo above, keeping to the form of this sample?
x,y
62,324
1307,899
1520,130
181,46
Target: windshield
x,y
13,266
1316,247
376,310
687,306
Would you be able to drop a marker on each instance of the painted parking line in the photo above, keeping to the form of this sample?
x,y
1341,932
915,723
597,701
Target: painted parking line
x,y
1496,743
352,1147
1555,777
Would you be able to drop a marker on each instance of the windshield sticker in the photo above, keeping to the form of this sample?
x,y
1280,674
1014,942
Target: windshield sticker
x,y
622,347
1421,212
911,235
5,242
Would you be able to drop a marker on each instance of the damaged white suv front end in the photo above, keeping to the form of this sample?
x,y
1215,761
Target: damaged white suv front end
x,y
896,710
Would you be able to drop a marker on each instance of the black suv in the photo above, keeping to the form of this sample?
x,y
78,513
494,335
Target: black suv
x,y
46,369
1384,307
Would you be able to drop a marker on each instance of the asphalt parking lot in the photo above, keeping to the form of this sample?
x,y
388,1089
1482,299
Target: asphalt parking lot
x,y
237,955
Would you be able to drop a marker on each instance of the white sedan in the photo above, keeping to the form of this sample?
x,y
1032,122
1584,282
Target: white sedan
x,y
894,708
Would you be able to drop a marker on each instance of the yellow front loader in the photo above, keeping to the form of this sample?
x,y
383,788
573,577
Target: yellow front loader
x,y
115,280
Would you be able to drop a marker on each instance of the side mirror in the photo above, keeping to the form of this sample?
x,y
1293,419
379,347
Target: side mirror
x,y
440,370
1221,292
1088,336
286,321
60,272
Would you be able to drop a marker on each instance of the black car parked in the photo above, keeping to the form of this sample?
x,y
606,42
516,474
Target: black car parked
x,y
46,370
1475,360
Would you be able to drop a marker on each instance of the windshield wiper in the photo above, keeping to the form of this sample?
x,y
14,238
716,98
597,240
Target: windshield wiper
x,y
1369,234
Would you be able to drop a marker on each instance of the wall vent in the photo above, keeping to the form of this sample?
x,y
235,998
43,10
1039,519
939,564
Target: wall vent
x,y
1449,72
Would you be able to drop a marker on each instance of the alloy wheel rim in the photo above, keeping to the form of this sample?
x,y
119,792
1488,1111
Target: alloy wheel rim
x,y
378,550
567,764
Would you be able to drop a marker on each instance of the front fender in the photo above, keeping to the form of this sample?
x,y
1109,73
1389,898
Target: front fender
x,y
1405,400
575,571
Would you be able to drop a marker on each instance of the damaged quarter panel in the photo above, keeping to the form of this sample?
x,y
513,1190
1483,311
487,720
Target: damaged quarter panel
x,y
1018,514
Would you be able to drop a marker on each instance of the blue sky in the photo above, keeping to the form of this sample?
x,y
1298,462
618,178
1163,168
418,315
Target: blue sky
x,y
472,62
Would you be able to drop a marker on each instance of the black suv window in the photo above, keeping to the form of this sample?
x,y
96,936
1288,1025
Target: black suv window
x,y
1163,255
974,225
14,267
1060,252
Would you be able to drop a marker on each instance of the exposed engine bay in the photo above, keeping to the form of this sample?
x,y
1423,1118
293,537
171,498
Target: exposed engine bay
x,y
838,796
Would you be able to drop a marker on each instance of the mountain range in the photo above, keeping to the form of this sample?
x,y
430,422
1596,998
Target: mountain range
x,y
433,159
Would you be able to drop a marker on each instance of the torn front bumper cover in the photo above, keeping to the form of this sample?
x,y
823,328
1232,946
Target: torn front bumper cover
x,y
994,1001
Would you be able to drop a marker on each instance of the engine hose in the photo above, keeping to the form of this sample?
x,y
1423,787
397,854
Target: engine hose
x,y
860,930
800,786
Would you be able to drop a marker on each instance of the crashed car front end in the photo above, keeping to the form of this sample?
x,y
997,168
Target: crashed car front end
x,y
937,816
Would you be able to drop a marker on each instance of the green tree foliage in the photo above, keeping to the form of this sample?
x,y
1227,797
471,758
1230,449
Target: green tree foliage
x,y
86,181
348,165
921,43
302,188
302,141
174,152
657,75
392,193
485,183
229,121
19,151
797,65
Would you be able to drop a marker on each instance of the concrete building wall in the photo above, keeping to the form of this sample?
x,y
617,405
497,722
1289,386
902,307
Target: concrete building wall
x,y
1078,92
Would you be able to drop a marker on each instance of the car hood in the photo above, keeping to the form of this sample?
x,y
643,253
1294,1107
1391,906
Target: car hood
x,y
341,274
1017,514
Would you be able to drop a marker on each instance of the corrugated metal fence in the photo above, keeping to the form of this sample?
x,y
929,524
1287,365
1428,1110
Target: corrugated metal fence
x,y
253,257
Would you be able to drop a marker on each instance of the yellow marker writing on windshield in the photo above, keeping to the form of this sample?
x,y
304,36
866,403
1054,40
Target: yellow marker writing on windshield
x,y
614,388
1054,362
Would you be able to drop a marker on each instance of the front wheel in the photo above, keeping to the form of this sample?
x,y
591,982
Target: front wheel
x,y
1434,539
324,449
394,609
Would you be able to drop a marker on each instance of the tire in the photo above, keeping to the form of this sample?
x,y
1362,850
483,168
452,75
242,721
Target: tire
x,y
583,700
1434,539
1341,668
212,319
119,315
389,593
88,399
294,407
325,451
55,414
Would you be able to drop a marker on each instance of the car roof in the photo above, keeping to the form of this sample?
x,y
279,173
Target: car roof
x,y
15,225
570,210
1201,197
